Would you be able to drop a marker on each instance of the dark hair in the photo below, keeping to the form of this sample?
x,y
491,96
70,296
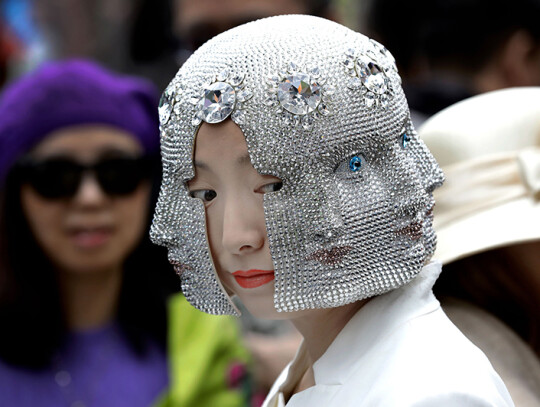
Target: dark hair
x,y
488,280
460,34
319,8
31,316
200,33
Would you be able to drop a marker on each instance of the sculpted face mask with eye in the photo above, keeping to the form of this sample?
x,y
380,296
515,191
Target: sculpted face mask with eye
x,y
352,216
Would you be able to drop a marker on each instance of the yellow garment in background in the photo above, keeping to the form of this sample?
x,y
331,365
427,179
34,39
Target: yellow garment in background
x,y
205,355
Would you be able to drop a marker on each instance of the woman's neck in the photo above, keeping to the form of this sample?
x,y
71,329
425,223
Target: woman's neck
x,y
90,300
319,329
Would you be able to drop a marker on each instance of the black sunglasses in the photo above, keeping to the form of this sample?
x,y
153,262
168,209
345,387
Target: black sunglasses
x,y
57,178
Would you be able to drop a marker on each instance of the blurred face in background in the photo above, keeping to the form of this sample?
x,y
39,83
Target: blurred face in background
x,y
196,21
87,229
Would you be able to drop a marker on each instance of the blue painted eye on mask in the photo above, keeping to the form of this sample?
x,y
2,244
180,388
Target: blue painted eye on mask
x,y
356,163
352,167
405,140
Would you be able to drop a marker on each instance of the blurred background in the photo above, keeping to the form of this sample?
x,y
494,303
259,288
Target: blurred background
x,y
150,38
446,51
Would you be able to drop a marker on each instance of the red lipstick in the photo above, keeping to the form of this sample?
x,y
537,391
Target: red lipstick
x,y
253,278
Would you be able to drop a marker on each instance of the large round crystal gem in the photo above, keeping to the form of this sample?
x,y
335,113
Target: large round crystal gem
x,y
298,95
371,75
217,103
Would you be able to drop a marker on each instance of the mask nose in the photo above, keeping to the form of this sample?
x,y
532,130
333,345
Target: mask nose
x,y
328,221
417,169
436,178
430,172
404,178
166,227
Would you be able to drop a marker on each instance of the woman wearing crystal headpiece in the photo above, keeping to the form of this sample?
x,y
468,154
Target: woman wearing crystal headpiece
x,y
294,180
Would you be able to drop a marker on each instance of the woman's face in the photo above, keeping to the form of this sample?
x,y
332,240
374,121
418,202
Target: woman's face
x,y
90,231
232,192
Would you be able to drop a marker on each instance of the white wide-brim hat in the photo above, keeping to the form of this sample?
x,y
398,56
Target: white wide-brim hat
x,y
489,148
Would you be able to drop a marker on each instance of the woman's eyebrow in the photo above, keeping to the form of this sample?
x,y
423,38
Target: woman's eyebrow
x,y
200,165
244,159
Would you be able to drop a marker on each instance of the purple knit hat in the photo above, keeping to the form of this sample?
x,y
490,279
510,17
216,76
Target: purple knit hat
x,y
67,93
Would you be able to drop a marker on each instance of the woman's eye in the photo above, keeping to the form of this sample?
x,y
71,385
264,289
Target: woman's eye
x,y
352,165
272,187
405,139
206,195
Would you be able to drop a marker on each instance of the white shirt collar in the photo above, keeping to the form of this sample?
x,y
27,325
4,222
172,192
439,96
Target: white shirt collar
x,y
378,318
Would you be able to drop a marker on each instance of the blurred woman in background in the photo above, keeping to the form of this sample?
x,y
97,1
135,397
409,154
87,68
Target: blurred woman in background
x,y
82,290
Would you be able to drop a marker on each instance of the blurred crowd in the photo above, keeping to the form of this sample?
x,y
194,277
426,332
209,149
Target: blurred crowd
x,y
141,37
79,174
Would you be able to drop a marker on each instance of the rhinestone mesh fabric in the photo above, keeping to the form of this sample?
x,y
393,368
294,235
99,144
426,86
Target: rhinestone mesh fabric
x,y
338,232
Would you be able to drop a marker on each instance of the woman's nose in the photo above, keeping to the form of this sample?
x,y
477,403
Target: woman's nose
x,y
244,226
89,191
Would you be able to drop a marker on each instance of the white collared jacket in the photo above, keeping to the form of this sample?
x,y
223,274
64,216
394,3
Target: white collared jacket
x,y
399,350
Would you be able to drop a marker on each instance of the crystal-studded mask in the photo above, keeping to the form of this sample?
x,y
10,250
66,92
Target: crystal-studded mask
x,y
321,107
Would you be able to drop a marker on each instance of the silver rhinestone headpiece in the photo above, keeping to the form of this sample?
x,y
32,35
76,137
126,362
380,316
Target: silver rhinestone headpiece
x,y
321,107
